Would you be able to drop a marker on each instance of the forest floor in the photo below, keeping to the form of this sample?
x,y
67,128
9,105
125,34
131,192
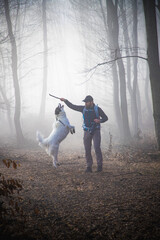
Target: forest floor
x,y
122,202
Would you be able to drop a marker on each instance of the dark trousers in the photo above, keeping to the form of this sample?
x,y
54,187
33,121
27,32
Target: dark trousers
x,y
87,139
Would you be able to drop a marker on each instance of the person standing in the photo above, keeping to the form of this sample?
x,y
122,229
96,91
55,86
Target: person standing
x,y
93,116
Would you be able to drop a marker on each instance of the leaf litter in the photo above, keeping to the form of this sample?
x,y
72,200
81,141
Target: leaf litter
x,y
122,202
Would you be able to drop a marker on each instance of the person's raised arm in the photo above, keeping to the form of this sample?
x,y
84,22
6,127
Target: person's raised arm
x,y
78,108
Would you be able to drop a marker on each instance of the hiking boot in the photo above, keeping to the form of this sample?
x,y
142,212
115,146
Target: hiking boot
x,y
99,169
88,170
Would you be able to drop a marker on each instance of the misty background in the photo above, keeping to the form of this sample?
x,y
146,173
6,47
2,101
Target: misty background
x,y
69,48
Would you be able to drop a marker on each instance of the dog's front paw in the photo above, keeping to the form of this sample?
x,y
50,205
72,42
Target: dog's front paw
x,y
72,130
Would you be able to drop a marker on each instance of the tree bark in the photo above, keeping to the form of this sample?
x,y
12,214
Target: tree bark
x,y
127,46
112,21
147,98
45,62
116,103
116,99
135,61
19,134
4,96
124,108
153,61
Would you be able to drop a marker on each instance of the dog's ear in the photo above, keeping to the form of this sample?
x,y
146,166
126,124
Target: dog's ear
x,y
57,110
59,105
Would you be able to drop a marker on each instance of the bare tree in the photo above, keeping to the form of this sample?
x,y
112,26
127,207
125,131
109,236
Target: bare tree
x,y
153,61
45,61
116,102
19,134
135,61
3,92
127,42
113,25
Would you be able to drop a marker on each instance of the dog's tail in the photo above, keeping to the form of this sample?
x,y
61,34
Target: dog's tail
x,y
39,137
43,142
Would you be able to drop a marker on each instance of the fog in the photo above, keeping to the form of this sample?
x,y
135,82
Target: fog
x,y
77,40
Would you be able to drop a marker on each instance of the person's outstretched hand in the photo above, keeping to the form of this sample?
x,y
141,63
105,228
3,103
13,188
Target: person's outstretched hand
x,y
63,99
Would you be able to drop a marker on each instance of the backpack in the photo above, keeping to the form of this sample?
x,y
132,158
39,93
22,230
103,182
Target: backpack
x,y
94,125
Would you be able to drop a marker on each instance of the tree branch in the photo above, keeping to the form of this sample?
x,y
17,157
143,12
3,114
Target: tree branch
x,y
103,63
5,39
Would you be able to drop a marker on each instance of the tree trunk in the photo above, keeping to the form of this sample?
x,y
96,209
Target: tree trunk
x,y
112,21
19,134
127,46
45,62
124,108
116,103
153,61
139,106
7,108
116,99
135,61
4,96
147,98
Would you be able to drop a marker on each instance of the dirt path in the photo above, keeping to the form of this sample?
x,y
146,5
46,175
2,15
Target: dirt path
x,y
120,203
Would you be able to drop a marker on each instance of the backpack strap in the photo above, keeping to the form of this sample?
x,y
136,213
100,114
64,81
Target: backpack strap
x,y
96,110
84,109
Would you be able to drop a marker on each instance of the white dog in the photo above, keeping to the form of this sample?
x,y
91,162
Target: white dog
x,y
61,128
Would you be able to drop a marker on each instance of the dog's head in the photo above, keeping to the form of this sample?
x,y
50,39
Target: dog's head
x,y
59,109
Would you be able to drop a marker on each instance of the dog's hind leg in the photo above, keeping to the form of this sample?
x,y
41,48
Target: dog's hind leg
x,y
55,157
55,161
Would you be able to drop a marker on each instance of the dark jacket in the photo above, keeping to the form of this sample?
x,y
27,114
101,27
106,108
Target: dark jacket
x,y
102,116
